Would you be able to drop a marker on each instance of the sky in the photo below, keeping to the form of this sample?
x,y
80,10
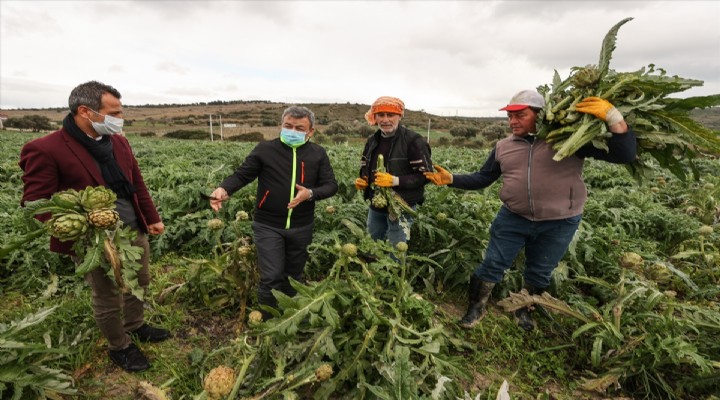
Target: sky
x,y
449,58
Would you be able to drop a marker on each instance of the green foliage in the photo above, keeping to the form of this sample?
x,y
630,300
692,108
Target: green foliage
x,y
23,364
668,321
664,127
364,320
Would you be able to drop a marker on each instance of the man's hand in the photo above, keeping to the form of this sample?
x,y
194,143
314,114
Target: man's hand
x,y
156,228
441,177
361,183
601,109
303,194
217,197
383,179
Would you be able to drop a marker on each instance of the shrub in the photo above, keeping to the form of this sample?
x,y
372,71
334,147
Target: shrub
x,y
336,128
254,136
365,130
464,131
339,139
191,134
443,141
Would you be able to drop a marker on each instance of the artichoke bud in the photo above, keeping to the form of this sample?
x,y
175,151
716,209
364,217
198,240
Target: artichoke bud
x,y
97,197
66,199
349,249
241,216
219,382
103,218
631,261
215,224
379,200
255,317
323,372
585,77
401,247
68,226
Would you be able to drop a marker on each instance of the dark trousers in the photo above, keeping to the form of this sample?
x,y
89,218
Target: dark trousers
x,y
117,313
282,253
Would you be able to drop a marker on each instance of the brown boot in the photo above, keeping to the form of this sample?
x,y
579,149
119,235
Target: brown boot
x,y
479,294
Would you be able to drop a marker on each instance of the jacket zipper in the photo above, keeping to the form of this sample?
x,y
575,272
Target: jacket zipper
x,y
292,185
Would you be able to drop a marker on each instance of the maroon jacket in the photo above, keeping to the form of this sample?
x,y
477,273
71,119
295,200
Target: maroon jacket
x,y
57,162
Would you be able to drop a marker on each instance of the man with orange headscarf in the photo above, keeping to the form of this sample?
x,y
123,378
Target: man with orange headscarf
x,y
406,157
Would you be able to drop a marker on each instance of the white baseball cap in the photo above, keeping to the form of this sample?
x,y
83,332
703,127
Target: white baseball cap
x,y
525,99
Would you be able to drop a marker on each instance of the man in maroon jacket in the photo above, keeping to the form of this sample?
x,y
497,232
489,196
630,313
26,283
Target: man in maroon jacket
x,y
88,151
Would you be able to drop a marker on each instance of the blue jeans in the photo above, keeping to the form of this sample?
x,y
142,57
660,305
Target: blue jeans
x,y
381,227
545,244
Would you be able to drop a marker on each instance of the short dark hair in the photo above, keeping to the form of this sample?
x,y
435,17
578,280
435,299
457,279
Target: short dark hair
x,y
299,112
90,94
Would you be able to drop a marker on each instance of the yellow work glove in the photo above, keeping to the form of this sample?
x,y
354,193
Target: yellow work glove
x,y
383,179
601,109
361,183
441,177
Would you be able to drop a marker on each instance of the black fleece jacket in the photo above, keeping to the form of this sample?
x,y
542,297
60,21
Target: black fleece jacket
x,y
278,168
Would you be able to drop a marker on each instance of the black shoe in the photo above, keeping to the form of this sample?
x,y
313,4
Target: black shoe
x,y
147,333
130,359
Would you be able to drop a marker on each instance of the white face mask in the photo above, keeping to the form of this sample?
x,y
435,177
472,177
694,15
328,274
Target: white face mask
x,y
110,125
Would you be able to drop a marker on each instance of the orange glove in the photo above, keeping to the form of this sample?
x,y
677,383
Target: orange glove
x,y
361,183
441,177
383,179
601,109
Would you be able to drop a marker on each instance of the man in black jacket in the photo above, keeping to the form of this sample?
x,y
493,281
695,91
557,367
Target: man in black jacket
x,y
288,168
406,155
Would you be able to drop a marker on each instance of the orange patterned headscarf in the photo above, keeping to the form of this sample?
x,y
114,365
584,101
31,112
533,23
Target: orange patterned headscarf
x,y
385,104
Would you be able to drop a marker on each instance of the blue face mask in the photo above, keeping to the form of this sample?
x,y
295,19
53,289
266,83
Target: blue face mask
x,y
292,138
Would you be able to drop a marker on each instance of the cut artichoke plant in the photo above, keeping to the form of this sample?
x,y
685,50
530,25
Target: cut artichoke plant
x,y
88,219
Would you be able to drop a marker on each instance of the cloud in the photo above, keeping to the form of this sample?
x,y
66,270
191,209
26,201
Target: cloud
x,y
446,57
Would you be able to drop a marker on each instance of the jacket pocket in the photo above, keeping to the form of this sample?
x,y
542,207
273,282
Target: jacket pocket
x,y
265,196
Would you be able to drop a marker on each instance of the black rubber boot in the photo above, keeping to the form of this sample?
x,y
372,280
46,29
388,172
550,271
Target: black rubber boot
x,y
522,315
479,294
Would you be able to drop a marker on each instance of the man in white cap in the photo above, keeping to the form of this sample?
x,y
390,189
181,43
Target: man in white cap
x,y
542,199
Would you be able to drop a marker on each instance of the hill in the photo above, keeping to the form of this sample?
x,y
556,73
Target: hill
x,y
243,117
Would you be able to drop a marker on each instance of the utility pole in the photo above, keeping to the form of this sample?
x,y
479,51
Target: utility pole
x,y
211,132
221,127
428,130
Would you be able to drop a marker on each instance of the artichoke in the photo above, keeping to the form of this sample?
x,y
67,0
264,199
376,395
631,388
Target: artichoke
x,y
70,226
97,197
402,247
241,216
379,200
215,224
255,318
69,199
103,218
219,382
705,230
323,372
585,77
631,261
349,249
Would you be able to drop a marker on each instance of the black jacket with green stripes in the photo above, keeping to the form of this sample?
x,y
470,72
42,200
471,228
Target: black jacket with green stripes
x,y
278,168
